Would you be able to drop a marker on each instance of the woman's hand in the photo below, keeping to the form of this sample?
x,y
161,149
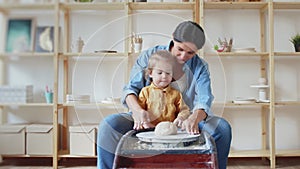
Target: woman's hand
x,y
141,120
140,116
191,123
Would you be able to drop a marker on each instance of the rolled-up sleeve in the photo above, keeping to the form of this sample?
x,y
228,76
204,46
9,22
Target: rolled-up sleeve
x,y
199,95
203,94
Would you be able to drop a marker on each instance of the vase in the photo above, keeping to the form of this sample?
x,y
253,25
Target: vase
x,y
297,47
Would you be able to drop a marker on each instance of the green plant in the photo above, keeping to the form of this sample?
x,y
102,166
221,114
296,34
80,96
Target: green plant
x,y
295,39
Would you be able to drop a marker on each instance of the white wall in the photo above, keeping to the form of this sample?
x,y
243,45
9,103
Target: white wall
x,y
231,76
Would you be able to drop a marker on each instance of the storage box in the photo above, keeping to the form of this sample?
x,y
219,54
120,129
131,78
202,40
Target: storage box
x,y
39,139
12,138
16,94
83,139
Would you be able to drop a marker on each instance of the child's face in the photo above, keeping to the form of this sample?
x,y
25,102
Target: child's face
x,y
161,74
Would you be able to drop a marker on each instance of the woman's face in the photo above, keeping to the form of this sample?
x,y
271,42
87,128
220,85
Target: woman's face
x,y
183,51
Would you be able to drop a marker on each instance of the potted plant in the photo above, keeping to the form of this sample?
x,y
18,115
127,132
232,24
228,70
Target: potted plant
x,y
296,41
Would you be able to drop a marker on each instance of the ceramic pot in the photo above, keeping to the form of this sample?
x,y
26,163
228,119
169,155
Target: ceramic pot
x,y
297,47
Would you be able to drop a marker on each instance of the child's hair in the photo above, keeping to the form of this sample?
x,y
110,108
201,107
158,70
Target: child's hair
x,y
161,55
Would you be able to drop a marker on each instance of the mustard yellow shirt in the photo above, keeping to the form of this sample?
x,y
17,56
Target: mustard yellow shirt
x,y
165,104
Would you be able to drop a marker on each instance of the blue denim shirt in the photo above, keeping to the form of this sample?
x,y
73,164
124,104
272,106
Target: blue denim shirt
x,y
198,94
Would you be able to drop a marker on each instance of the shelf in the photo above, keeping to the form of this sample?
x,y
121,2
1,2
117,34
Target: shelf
x,y
287,153
95,56
27,54
265,54
5,7
99,54
249,153
112,105
75,156
93,6
287,103
286,53
27,104
99,58
25,156
235,5
230,104
250,104
65,154
286,5
161,5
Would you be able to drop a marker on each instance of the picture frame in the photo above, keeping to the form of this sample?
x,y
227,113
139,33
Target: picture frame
x,y
20,35
44,39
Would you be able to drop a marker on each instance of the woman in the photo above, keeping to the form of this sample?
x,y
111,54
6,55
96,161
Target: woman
x,y
192,80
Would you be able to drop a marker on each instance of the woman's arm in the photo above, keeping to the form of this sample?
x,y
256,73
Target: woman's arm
x,y
140,116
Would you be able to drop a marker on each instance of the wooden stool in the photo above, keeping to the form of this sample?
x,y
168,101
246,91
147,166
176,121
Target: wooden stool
x,y
133,153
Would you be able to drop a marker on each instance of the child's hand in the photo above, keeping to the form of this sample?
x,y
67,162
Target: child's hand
x,y
147,125
178,121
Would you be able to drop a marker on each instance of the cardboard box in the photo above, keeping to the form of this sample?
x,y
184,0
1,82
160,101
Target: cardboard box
x,y
12,139
39,139
83,139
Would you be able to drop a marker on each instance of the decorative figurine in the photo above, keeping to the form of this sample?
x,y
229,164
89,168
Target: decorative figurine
x,y
137,42
79,45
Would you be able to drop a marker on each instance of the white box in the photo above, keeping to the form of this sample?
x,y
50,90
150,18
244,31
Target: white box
x,y
83,139
12,138
39,139
16,94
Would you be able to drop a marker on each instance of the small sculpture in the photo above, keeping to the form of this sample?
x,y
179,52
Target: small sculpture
x,y
79,45
137,43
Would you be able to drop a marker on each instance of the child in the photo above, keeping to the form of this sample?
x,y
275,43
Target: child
x,y
163,102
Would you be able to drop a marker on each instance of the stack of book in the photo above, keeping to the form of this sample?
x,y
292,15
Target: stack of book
x,y
78,98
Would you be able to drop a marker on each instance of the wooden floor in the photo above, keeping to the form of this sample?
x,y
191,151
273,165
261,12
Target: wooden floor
x,y
233,163
258,163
